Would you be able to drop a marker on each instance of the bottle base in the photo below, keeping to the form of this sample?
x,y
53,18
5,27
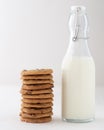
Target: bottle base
x,y
79,120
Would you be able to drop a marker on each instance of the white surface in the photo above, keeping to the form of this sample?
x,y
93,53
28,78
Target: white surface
x,y
34,34
10,108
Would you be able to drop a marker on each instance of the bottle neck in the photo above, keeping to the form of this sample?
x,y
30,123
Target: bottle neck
x,y
78,26
78,23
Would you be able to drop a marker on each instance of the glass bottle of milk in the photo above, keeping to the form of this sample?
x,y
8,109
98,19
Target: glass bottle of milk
x,y
78,72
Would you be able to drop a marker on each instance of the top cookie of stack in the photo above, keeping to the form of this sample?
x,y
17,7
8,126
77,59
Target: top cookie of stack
x,y
37,95
38,76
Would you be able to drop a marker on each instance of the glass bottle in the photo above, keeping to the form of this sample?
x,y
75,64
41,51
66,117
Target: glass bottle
x,y
78,72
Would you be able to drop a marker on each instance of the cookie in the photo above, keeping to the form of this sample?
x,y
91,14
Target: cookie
x,y
37,105
35,116
23,91
35,96
37,86
45,76
37,72
39,120
36,110
37,81
26,100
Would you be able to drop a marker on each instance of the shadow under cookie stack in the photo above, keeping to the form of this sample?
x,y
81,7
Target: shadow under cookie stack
x,y
37,95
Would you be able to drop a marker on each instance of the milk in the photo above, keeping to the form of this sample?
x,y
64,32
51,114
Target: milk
x,y
78,88
78,71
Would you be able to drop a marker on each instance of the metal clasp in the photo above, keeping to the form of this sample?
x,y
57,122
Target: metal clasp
x,y
77,27
75,37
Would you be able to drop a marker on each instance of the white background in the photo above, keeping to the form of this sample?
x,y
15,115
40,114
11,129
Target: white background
x,y
34,34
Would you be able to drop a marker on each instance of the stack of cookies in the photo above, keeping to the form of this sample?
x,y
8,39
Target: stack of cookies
x,y
37,95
